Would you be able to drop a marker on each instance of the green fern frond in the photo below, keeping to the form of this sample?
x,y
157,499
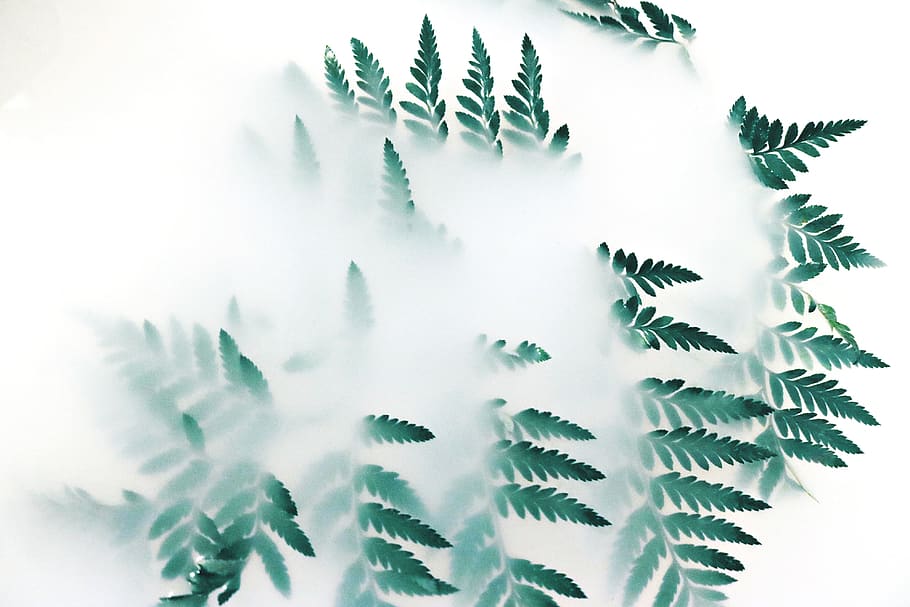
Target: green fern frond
x,y
543,424
392,430
646,276
357,305
699,446
811,427
480,117
815,391
792,339
338,82
396,185
427,73
526,353
397,524
388,486
697,494
626,21
700,406
645,331
374,84
304,152
528,117
549,579
706,527
531,461
812,235
538,501
193,432
772,151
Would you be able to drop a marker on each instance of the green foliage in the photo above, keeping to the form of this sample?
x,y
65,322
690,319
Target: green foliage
x,y
374,84
646,276
698,405
792,340
526,353
481,564
543,424
816,392
398,200
645,331
338,82
528,117
304,152
626,22
211,552
698,446
427,72
393,430
697,494
812,235
380,568
480,117
772,151
357,306
532,461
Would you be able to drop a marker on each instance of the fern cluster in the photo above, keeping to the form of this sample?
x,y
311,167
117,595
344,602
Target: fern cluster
x,y
807,241
513,481
664,536
213,511
626,22
369,512
527,116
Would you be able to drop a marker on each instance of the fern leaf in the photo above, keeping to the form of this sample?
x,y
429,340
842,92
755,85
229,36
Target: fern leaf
x,y
811,452
287,529
812,234
793,338
169,518
396,185
387,486
530,461
697,494
193,432
397,524
700,406
403,573
274,563
427,73
543,424
529,120
230,357
815,391
304,152
526,353
646,331
772,151
838,327
709,557
813,428
550,579
480,117
625,21
644,568
253,379
646,276
705,449
392,430
373,82
357,305
536,501
338,82
705,528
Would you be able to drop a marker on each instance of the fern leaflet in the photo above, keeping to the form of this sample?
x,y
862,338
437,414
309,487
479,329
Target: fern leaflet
x,y
338,82
480,117
528,117
645,331
374,84
646,276
427,73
